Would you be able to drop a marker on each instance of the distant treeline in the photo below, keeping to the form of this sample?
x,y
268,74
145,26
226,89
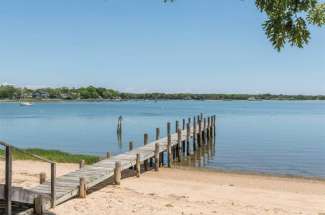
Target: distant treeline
x,y
99,93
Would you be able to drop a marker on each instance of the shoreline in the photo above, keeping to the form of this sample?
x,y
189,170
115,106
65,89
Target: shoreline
x,y
153,100
251,173
186,191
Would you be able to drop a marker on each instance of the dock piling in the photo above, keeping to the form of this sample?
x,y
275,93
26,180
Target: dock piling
x,y
138,165
188,139
53,188
39,205
82,188
81,164
157,156
108,155
194,134
130,146
179,143
169,148
8,180
117,172
42,177
145,142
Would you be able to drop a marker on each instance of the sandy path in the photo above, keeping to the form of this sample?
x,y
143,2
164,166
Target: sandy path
x,y
175,191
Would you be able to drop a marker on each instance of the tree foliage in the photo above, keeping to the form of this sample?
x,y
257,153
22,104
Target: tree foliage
x,y
288,21
100,93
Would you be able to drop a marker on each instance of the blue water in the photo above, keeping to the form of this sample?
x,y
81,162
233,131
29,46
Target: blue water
x,y
276,137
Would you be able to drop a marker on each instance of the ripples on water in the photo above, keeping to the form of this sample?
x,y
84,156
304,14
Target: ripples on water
x,y
277,137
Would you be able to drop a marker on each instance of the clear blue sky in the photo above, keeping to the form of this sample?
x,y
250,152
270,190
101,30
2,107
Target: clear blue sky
x,y
145,45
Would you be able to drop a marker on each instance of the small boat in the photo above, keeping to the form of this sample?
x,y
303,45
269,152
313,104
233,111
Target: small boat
x,y
22,103
25,104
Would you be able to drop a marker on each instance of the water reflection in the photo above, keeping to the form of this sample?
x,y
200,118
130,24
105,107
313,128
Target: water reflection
x,y
199,157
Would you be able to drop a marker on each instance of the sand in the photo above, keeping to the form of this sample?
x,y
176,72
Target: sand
x,y
184,191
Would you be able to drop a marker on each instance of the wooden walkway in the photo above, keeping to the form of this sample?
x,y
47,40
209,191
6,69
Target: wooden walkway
x,y
169,149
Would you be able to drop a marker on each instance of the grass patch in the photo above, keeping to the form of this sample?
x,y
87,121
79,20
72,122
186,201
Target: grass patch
x,y
53,155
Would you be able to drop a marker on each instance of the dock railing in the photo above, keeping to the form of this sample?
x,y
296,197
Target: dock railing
x,y
8,188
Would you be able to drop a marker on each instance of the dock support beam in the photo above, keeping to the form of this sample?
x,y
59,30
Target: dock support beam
x,y
138,165
194,134
82,188
157,156
145,142
188,139
81,164
53,191
200,133
169,148
8,185
130,146
39,205
161,154
108,155
117,173
179,144
42,177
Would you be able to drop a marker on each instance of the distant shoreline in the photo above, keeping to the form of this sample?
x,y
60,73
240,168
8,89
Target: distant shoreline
x,y
157,100
91,93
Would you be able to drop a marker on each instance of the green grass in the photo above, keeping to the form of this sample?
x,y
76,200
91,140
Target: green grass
x,y
53,155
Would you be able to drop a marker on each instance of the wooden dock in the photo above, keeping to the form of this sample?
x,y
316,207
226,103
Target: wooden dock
x,y
195,133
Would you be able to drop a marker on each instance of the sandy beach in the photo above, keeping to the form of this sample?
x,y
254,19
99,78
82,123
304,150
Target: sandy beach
x,y
187,191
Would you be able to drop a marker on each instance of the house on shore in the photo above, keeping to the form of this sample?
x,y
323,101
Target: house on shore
x,y
40,95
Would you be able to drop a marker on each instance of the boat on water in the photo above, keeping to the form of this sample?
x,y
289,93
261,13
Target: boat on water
x,y
22,102
25,104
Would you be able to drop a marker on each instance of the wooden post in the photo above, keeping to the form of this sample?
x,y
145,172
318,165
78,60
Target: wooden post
x,y
174,152
214,125
130,149
200,133
176,126
145,142
194,134
169,148
161,154
188,139
8,180
179,143
39,205
183,124
189,120
108,155
117,172
82,188
157,156
157,133
130,146
42,177
53,190
210,126
201,116
81,164
204,131
208,129
138,165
